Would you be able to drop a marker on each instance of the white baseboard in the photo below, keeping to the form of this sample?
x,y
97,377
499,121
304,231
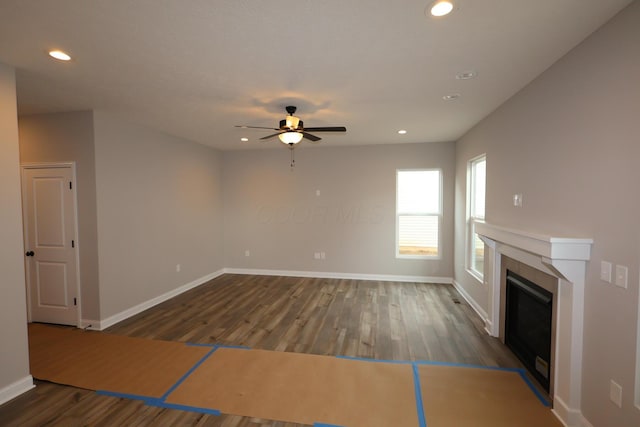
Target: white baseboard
x,y
94,325
567,416
119,317
15,389
476,307
331,275
488,327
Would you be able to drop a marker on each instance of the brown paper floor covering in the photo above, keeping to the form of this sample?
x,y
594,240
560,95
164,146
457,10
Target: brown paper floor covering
x,y
300,388
460,396
99,361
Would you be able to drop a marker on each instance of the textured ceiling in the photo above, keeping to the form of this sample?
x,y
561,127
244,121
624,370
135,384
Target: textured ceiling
x,y
196,68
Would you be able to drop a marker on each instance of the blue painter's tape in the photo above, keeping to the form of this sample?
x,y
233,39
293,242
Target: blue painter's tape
x,y
189,372
422,422
464,365
364,359
325,425
145,399
431,362
533,388
162,404
520,371
239,347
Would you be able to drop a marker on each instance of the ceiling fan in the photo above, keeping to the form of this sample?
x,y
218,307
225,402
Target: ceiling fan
x,y
291,130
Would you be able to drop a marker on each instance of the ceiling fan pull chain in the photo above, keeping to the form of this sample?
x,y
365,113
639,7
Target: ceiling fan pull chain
x,y
293,161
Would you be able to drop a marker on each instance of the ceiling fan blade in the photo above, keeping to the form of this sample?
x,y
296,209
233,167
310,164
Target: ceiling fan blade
x,y
254,127
310,137
327,129
271,136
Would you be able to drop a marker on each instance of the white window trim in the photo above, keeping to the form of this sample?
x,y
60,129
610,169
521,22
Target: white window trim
x,y
471,221
438,214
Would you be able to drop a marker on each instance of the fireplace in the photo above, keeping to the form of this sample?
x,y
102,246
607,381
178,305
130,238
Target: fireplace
x,y
564,259
528,327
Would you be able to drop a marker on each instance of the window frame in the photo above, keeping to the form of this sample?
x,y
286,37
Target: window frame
x,y
471,218
438,214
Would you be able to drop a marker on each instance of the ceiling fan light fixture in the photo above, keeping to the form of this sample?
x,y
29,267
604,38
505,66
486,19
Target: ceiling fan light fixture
x,y
441,8
290,137
292,122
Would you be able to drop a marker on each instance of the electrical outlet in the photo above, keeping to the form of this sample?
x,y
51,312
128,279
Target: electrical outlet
x,y
621,276
605,271
178,268
517,200
615,393
322,255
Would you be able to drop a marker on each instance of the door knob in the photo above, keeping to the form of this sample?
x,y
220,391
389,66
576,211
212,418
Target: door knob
x,y
30,253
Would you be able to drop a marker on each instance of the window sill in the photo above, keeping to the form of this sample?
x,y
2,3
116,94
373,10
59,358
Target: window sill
x,y
420,257
479,278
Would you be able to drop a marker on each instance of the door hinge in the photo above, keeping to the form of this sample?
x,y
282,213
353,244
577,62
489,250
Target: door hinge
x,y
70,185
73,244
75,301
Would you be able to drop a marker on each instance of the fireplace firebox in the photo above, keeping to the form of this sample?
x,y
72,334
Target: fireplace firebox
x,y
528,325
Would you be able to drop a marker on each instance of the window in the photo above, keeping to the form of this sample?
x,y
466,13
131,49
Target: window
x,y
476,186
418,212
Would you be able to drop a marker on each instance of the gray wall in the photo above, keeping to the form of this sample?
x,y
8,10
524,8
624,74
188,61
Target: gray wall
x,y
570,143
275,213
65,137
14,352
159,204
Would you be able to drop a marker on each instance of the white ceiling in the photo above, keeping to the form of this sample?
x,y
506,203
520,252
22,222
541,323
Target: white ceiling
x,y
196,68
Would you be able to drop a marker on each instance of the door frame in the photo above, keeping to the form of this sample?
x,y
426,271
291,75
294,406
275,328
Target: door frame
x,y
52,165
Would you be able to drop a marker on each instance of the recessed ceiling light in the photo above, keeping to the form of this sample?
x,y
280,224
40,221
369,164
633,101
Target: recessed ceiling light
x,y
441,8
60,55
244,139
451,96
466,75
402,132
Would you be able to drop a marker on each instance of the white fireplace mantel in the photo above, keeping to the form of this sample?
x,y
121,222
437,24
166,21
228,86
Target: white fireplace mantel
x,y
564,258
549,248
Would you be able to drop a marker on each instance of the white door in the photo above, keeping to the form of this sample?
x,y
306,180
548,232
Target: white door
x,y
48,199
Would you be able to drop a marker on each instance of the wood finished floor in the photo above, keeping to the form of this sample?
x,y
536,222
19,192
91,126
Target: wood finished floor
x,y
381,320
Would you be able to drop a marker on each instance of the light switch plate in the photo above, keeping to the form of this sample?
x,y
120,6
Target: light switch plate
x,y
605,271
621,276
615,393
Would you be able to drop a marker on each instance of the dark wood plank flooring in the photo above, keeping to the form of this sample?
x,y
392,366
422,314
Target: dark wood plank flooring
x,y
381,320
